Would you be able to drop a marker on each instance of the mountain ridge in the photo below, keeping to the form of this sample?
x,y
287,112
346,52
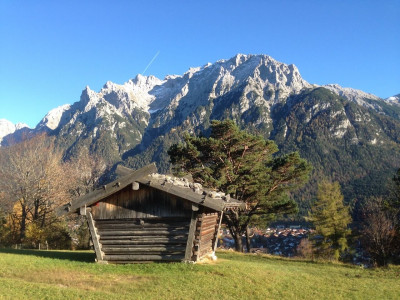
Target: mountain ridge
x,y
347,134
140,86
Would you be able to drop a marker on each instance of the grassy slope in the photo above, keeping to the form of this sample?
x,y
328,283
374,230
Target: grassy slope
x,y
73,275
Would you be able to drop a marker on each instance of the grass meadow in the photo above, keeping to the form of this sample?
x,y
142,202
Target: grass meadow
x,y
30,274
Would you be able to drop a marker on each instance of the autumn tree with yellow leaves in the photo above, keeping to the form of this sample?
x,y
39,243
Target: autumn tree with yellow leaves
x,y
33,181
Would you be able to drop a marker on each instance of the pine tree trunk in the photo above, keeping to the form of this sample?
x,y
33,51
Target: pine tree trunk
x,y
238,242
233,224
248,241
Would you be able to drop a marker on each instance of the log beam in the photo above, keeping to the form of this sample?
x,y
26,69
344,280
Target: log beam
x,y
216,234
192,230
82,210
95,237
135,186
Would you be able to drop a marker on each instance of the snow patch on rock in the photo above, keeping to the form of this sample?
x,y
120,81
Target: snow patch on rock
x,y
7,127
53,117
351,94
394,99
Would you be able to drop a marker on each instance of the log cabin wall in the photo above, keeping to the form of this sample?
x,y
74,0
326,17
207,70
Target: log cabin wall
x,y
142,225
146,202
206,234
152,239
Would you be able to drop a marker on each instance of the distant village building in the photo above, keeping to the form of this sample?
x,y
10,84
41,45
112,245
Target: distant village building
x,y
144,216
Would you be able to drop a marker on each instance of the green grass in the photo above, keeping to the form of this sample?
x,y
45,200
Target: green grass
x,y
28,274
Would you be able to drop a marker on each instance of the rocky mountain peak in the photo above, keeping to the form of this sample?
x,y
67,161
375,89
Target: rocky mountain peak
x,y
144,82
351,94
394,99
130,95
88,98
266,72
53,117
7,127
19,126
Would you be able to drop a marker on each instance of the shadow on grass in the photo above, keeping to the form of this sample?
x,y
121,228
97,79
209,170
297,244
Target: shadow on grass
x,y
82,256
246,257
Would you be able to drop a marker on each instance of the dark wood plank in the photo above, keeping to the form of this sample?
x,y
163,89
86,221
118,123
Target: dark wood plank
x,y
145,203
205,231
197,234
190,239
144,257
143,249
144,245
143,223
170,252
208,237
148,228
209,224
147,241
155,232
215,241
138,238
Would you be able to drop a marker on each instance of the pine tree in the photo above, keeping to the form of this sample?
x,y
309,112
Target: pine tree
x,y
244,166
331,219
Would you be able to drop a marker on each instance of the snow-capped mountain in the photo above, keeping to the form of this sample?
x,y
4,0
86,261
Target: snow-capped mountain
x,y
262,80
394,99
197,86
247,87
354,95
259,78
128,112
112,98
7,127
342,131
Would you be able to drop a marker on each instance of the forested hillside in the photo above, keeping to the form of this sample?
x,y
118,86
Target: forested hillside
x,y
347,135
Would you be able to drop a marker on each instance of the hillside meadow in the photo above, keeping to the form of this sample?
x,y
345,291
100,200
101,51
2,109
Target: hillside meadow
x,y
29,274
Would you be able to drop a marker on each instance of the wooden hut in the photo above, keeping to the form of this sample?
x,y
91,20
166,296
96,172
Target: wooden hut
x,y
144,216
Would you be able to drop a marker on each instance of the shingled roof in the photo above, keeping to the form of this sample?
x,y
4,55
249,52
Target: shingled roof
x,y
180,187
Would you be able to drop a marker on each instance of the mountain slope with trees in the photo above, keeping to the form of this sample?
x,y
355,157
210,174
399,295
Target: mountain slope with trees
x,y
348,135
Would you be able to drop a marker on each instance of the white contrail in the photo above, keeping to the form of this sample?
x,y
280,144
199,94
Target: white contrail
x,y
152,60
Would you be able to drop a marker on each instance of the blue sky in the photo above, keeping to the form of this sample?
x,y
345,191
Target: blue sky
x,y
50,50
